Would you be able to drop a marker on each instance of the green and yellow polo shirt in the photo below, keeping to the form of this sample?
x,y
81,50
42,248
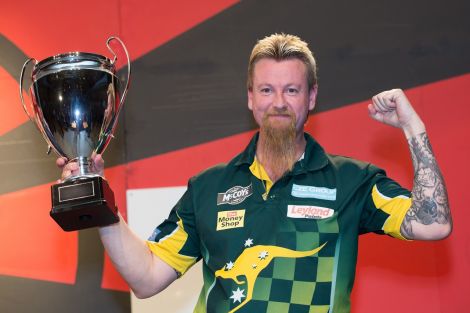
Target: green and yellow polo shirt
x,y
293,250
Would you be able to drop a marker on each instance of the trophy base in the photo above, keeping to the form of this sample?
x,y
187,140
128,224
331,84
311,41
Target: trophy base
x,y
83,203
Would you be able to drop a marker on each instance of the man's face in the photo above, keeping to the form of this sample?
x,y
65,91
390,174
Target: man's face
x,y
280,93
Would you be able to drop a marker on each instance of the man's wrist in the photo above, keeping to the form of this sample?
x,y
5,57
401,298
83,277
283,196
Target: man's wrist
x,y
414,128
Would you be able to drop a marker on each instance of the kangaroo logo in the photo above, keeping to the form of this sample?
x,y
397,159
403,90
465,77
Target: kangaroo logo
x,y
252,261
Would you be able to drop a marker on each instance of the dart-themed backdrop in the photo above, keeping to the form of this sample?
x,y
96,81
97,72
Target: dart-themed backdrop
x,y
187,110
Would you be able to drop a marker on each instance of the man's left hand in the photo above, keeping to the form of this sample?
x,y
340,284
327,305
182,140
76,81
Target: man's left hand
x,y
392,107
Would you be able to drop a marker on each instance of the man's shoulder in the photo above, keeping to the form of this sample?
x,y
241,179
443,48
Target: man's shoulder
x,y
231,171
350,166
218,171
343,160
211,172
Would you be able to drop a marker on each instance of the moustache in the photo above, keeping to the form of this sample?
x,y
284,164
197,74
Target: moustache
x,y
280,112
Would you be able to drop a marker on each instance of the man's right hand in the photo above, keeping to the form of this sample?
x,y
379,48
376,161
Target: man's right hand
x,y
71,168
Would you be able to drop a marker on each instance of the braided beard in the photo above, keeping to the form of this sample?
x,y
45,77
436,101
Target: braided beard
x,y
277,145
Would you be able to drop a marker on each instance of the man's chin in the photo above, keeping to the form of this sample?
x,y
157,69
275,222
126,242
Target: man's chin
x,y
279,123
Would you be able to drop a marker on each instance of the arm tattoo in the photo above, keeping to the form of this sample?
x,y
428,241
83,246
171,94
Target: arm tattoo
x,y
430,202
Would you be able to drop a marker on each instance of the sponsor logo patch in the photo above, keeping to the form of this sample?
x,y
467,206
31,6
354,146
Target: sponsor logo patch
x,y
302,191
230,219
234,195
309,211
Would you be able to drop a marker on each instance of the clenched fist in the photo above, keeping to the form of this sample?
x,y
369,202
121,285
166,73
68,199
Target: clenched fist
x,y
392,107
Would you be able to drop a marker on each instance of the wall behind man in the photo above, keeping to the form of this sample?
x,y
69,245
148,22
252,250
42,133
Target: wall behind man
x,y
186,110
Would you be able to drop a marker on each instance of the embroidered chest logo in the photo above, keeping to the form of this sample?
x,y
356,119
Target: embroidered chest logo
x,y
309,211
302,191
230,219
235,195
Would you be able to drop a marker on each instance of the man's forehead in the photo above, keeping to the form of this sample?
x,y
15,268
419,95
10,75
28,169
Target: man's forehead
x,y
268,69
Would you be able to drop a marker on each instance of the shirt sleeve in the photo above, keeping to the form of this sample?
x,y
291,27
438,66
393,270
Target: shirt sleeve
x,y
175,241
385,206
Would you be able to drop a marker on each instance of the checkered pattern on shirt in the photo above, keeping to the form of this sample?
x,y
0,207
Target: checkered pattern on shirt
x,y
298,285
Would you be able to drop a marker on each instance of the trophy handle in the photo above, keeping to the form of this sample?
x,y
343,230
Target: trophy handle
x,y
21,88
31,116
124,94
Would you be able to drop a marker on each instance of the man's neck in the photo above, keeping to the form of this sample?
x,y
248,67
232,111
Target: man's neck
x,y
300,144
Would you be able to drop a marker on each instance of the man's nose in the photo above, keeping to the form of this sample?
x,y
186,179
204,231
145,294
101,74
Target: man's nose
x,y
279,100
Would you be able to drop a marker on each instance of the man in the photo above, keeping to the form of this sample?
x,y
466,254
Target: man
x,y
277,227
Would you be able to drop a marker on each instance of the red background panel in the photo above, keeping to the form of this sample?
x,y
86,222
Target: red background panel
x,y
44,28
33,245
37,247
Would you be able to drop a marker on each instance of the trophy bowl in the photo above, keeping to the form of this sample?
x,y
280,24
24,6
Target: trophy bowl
x,y
76,98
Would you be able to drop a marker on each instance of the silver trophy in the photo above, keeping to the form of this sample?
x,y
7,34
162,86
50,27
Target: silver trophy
x,y
76,98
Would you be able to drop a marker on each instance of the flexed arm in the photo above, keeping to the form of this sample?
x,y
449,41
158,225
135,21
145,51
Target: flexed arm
x,y
429,216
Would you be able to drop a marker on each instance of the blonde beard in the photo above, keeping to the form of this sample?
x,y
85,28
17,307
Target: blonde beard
x,y
277,147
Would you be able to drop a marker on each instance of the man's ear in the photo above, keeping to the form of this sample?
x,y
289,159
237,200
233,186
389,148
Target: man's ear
x,y
312,97
250,99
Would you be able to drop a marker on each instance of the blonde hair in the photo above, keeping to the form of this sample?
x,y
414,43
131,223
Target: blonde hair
x,y
283,47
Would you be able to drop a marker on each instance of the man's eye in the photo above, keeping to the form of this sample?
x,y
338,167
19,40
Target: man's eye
x,y
292,91
265,90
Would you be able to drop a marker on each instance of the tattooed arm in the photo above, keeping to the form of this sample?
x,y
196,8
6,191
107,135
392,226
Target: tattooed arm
x,y
429,216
